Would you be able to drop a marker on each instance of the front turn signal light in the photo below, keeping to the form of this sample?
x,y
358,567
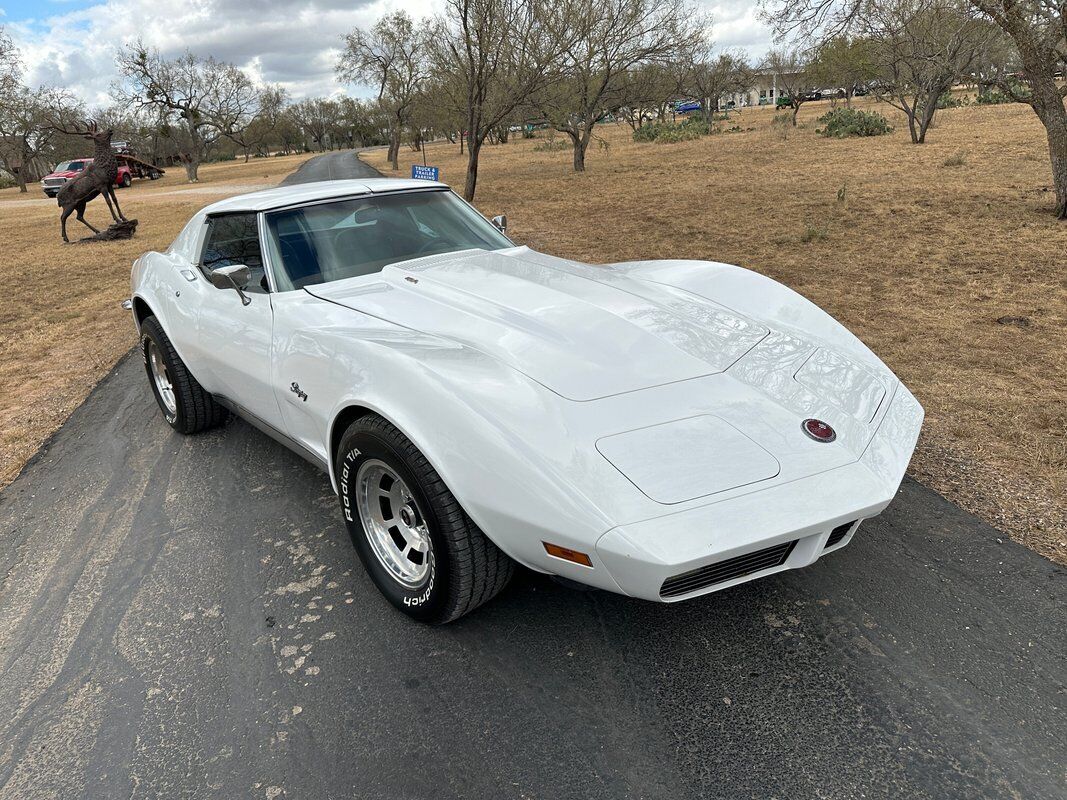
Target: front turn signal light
x,y
567,554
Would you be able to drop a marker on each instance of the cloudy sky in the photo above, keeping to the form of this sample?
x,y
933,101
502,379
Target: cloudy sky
x,y
72,43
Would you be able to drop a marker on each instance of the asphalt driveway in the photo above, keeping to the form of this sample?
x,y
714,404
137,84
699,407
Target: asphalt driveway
x,y
185,617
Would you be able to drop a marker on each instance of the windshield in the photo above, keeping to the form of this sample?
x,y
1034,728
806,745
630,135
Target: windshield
x,y
70,166
359,236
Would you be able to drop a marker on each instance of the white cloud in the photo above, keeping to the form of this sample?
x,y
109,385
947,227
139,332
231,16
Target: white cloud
x,y
292,42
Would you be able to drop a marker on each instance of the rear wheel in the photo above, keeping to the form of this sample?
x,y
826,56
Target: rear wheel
x,y
416,542
185,405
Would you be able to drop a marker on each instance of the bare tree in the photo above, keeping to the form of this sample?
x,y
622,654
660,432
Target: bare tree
x,y
319,118
10,65
715,76
920,49
1037,29
256,134
844,62
364,122
201,99
605,39
391,56
493,56
27,128
649,90
790,71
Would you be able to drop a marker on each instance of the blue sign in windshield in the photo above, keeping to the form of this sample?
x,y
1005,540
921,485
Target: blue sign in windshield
x,y
424,173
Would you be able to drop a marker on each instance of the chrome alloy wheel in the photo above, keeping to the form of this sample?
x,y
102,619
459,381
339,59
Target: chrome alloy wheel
x,y
162,378
394,523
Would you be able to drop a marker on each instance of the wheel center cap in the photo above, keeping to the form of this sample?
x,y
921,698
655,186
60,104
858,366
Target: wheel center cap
x,y
409,516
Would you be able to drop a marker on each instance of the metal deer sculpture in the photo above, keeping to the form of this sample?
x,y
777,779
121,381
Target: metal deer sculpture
x,y
97,179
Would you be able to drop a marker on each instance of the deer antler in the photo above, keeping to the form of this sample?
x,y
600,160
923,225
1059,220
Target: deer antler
x,y
60,126
90,127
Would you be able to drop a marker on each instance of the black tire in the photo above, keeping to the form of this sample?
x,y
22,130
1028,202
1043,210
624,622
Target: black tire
x,y
126,181
153,175
466,568
195,409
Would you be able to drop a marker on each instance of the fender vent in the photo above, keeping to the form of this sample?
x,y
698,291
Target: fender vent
x,y
838,533
722,571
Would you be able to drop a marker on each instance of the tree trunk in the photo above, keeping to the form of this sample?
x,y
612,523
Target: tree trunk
x,y
930,108
1053,115
796,110
474,148
927,118
579,151
1057,149
581,146
20,175
913,129
191,164
394,148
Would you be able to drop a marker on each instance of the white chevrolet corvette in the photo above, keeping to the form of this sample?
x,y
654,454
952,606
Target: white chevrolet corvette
x,y
661,429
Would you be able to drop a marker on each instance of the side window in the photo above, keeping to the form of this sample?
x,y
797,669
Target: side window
x,y
234,239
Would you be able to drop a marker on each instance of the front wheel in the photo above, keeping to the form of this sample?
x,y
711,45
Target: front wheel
x,y
126,181
186,406
416,542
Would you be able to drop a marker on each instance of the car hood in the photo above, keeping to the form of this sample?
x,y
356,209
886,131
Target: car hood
x,y
583,332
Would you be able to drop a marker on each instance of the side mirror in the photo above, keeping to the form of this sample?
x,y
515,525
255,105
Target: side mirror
x,y
500,223
233,276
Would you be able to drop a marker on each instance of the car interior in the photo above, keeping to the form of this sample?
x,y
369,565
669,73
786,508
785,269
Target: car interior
x,y
234,239
348,238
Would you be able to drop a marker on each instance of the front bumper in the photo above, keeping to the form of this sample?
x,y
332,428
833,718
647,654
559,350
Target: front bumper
x,y
639,557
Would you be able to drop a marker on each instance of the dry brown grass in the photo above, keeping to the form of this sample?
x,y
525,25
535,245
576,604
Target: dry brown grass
x,y
61,327
919,260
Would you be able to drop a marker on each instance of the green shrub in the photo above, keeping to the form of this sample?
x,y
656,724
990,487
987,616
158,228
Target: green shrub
x,y
843,122
676,133
993,97
647,132
949,100
7,181
666,132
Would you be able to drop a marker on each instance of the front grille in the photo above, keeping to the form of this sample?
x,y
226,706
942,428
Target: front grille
x,y
54,181
838,533
722,571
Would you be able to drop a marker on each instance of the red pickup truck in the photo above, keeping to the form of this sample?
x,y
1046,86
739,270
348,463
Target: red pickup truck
x,y
53,181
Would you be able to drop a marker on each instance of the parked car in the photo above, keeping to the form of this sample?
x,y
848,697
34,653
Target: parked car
x,y
660,429
54,180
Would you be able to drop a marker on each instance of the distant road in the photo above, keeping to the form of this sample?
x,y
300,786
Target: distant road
x,y
335,166
186,617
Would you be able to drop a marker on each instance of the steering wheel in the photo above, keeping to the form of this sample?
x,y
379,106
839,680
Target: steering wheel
x,y
427,245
